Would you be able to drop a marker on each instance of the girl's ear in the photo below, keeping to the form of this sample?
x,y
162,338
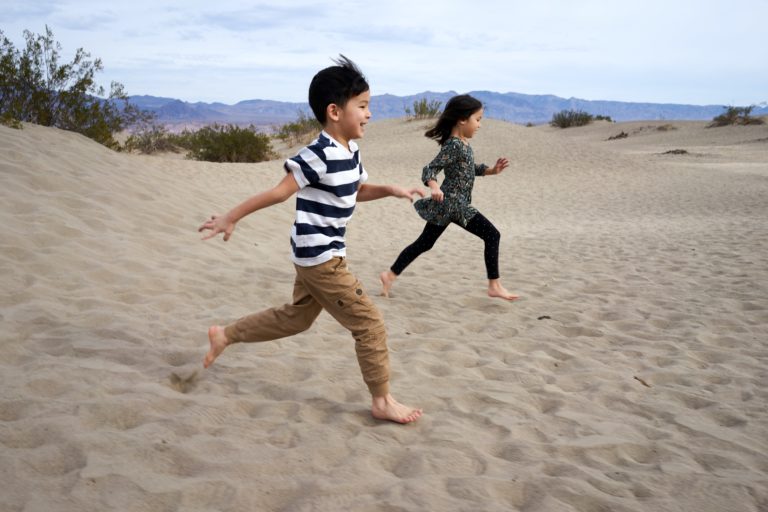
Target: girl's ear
x,y
332,112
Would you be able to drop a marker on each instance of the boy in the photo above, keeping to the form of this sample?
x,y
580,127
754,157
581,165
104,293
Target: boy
x,y
328,178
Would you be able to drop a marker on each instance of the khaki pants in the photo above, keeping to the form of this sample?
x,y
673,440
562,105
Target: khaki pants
x,y
330,286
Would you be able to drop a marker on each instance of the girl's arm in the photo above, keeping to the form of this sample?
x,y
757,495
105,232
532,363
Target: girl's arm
x,y
448,153
501,164
368,192
226,223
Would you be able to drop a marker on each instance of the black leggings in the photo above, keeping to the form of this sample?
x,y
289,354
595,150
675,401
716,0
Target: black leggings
x,y
478,226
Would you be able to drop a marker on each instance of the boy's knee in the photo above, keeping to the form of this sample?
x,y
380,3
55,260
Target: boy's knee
x,y
303,324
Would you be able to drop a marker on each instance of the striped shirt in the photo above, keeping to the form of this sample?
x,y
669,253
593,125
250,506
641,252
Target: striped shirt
x,y
328,176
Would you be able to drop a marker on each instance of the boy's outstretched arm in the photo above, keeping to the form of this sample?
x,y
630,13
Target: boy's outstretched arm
x,y
368,192
226,223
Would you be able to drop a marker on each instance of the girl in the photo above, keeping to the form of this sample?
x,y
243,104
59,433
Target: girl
x,y
450,202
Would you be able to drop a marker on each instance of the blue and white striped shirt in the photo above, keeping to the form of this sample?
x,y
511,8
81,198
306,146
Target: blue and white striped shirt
x,y
329,177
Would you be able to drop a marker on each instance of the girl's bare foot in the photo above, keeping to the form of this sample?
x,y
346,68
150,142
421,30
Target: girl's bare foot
x,y
496,290
387,279
218,340
387,408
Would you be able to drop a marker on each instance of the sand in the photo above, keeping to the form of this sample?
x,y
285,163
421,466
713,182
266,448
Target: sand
x,y
629,377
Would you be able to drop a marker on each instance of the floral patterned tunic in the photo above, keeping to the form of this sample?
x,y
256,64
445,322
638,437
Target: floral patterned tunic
x,y
458,162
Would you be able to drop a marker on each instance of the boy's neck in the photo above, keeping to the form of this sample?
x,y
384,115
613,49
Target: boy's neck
x,y
339,137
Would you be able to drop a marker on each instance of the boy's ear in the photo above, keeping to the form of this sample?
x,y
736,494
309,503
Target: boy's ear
x,y
332,112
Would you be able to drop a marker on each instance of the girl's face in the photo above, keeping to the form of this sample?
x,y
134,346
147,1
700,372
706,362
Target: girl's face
x,y
468,127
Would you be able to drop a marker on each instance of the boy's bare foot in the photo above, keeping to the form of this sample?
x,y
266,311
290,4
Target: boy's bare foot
x,y
496,290
387,279
387,408
218,340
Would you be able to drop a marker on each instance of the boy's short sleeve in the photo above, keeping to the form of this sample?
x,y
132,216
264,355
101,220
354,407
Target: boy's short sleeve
x,y
307,167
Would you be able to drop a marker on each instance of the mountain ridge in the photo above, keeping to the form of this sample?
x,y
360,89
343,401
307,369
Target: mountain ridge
x,y
509,106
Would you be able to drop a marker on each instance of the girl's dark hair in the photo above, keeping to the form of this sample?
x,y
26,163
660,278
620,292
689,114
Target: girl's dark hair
x,y
335,85
457,109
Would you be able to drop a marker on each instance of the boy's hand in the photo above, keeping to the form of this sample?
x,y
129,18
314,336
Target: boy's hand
x,y
501,164
406,193
217,224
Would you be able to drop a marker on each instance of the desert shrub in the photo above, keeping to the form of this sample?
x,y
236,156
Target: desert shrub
x,y
226,143
11,122
568,118
151,138
735,116
299,131
620,135
36,88
666,127
423,109
603,118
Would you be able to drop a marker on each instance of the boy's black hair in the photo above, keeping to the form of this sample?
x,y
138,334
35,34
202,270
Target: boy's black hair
x,y
336,84
457,109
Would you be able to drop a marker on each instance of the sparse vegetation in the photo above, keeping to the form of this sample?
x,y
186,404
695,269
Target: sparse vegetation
x,y
226,143
300,131
36,88
11,122
666,128
621,135
423,109
214,143
603,118
735,116
569,118
151,138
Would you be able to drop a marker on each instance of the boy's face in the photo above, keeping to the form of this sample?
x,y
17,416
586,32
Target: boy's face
x,y
353,116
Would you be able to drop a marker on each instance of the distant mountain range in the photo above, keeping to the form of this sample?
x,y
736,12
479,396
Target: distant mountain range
x,y
513,107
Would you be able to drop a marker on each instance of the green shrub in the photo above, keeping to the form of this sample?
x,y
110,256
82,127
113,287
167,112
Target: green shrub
x,y
226,143
35,88
300,131
11,122
568,118
735,116
603,118
151,138
423,109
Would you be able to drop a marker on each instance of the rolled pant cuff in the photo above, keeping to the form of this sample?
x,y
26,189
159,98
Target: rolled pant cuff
x,y
231,333
381,389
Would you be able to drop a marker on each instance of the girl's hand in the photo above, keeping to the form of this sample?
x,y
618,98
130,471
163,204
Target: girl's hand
x,y
501,164
435,192
218,224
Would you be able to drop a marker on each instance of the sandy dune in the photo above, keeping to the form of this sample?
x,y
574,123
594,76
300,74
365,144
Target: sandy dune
x,y
630,377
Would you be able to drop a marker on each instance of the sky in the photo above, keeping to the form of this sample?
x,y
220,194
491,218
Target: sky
x,y
701,52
